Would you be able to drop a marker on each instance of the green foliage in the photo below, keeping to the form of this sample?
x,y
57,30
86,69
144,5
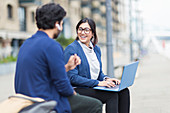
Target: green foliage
x,y
61,39
8,59
64,41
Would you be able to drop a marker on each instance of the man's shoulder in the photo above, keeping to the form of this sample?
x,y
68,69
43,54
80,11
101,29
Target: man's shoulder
x,y
48,42
43,41
52,44
43,37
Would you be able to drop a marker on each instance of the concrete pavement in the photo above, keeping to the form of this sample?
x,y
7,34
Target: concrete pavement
x,y
149,94
6,86
151,90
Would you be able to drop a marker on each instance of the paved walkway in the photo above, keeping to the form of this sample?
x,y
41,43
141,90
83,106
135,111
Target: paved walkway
x,y
149,94
151,90
6,86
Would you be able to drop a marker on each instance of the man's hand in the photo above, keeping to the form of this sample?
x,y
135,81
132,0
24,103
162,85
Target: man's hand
x,y
74,93
73,61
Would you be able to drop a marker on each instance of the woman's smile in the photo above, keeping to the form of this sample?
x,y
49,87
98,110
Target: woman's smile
x,y
83,37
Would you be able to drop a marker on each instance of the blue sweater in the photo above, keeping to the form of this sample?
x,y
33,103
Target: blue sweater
x,y
80,76
40,71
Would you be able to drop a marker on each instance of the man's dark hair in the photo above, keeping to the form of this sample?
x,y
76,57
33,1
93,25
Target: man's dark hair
x,y
92,25
48,14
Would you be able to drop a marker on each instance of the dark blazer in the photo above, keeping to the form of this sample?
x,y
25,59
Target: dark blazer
x,y
80,76
40,71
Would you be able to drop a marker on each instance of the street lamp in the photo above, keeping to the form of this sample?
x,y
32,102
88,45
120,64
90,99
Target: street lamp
x,y
130,28
110,66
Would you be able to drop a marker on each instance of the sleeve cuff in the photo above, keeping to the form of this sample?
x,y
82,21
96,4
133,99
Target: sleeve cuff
x,y
105,78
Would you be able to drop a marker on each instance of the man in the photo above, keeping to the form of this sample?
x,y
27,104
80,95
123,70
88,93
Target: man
x,y
41,71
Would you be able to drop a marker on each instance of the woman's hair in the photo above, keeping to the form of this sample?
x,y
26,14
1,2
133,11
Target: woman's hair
x,y
92,24
48,15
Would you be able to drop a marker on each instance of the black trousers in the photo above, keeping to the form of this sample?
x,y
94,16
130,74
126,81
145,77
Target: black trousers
x,y
84,104
116,102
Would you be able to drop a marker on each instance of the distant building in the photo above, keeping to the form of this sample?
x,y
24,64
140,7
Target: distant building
x,y
16,24
17,21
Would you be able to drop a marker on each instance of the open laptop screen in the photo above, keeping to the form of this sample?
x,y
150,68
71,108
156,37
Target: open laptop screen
x,y
128,77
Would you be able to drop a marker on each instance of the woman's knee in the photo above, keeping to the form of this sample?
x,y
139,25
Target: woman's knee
x,y
124,94
125,91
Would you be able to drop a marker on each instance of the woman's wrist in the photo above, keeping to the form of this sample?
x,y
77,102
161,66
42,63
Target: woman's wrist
x,y
98,83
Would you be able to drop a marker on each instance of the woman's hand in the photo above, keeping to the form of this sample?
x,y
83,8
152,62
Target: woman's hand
x,y
106,83
116,81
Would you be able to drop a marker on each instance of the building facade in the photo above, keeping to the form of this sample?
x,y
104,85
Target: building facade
x,y
17,21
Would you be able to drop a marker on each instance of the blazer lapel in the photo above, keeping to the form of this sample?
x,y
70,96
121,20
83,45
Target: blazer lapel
x,y
83,57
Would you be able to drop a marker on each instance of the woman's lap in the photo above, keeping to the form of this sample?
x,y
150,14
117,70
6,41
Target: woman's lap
x,y
99,94
115,101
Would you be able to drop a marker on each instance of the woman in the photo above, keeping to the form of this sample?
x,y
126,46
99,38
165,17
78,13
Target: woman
x,y
89,73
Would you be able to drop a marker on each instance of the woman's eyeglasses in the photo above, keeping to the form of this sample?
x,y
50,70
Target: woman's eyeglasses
x,y
86,30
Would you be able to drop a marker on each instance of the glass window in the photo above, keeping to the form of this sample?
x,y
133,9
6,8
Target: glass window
x,y
9,11
66,27
33,16
22,18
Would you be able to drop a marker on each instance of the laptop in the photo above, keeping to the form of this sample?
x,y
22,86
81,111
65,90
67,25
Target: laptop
x,y
128,77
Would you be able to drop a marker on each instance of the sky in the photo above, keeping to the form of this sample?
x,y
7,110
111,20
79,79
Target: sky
x,y
156,12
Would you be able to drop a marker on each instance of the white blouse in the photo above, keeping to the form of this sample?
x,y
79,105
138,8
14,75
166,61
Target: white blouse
x,y
92,60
